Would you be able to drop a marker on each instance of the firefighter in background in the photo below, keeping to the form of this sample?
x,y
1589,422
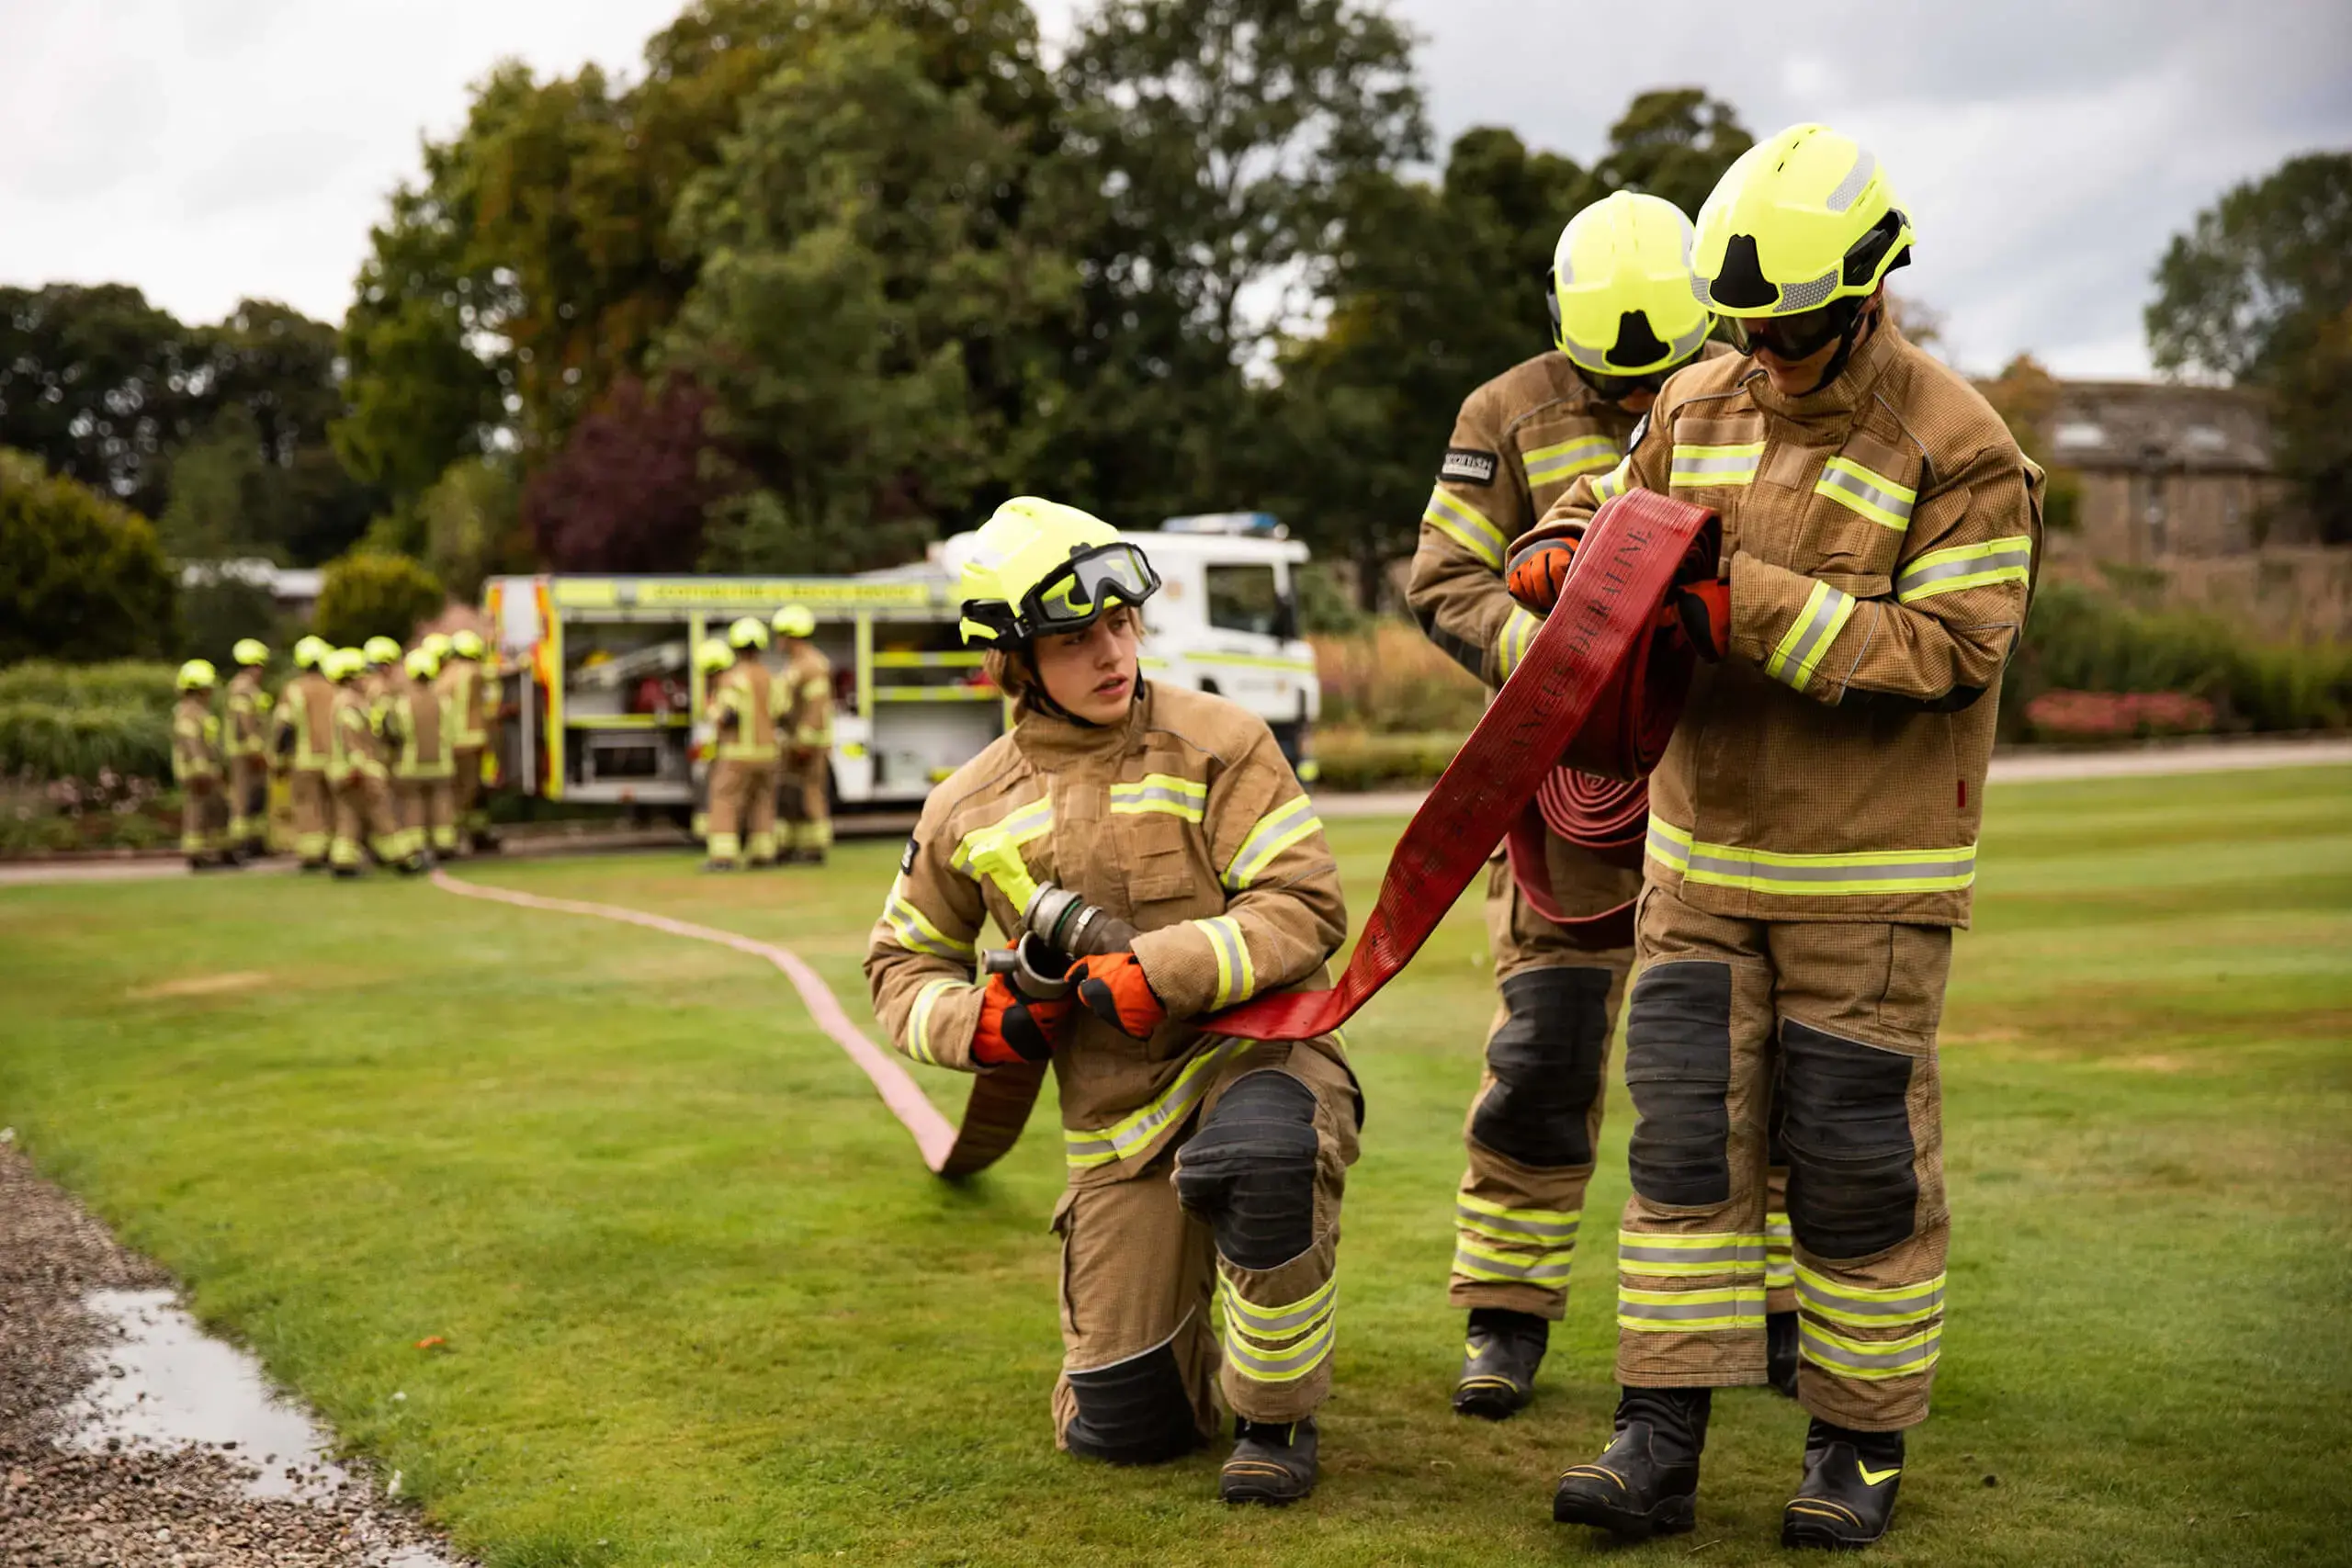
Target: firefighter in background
x,y
742,709
248,749
381,678
711,655
1812,841
804,725
1198,1163
364,823
303,724
420,727
1623,318
471,702
197,768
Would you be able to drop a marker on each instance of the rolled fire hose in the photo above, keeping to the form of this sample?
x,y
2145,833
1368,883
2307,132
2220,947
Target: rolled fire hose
x,y
1596,698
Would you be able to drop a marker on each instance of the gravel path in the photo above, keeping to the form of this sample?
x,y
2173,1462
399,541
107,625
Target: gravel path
x,y
124,1503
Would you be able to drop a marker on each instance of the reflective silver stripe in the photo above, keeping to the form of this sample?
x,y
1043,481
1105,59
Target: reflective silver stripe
x,y
1235,977
1694,465
1868,1307
1965,566
1867,1358
1550,1267
1825,614
1873,495
916,933
1085,1148
1160,792
918,1044
1849,188
1287,1366
1277,830
1690,1312
1519,629
1466,526
1779,1253
1278,1322
1768,871
1557,464
1728,1255
1503,1225
1611,485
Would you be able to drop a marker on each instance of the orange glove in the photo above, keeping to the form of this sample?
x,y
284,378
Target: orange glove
x,y
1537,571
1017,1027
1704,610
1113,987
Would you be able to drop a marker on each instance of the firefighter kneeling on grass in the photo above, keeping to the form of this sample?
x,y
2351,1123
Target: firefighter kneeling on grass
x,y
1812,841
1198,1163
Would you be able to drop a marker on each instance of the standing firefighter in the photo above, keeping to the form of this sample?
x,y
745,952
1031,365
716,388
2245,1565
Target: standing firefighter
x,y
422,768
1623,318
804,727
196,769
1164,827
301,728
742,774
248,747
711,657
1812,841
356,772
471,702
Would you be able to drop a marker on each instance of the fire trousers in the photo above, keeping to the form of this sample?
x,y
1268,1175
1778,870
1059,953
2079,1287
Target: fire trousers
x,y
204,818
313,804
742,811
363,816
1244,1211
1823,1034
428,818
803,810
1535,1120
469,804
249,803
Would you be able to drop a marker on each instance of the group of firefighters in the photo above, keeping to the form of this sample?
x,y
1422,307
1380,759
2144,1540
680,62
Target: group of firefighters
x,y
380,747
1811,846
771,738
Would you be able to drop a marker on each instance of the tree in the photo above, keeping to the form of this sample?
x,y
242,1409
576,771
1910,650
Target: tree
x,y
1675,142
369,595
471,525
629,490
99,384
82,578
865,320
1217,139
2258,292
219,497
2026,396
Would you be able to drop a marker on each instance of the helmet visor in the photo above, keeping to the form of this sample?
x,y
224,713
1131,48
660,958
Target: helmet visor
x,y
1795,337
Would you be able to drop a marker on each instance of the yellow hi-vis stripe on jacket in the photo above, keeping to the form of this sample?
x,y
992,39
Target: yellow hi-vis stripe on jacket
x,y
1163,793
1847,874
1798,654
1277,830
916,931
1133,1132
1236,980
918,1044
1695,467
1870,494
1511,642
1466,526
1965,566
1559,464
1022,824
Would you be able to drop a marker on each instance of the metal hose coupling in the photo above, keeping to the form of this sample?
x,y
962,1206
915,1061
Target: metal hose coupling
x,y
1065,922
1037,970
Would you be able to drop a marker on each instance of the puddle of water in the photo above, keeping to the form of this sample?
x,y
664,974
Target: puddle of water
x,y
164,1382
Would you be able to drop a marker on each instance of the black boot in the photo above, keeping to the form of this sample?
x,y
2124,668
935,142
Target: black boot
x,y
1499,1362
1645,1481
1780,1351
347,874
1846,1499
1272,1462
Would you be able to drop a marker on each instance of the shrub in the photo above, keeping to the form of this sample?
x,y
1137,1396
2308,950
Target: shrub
x,y
135,682
50,742
81,577
369,595
2113,715
1352,758
1391,680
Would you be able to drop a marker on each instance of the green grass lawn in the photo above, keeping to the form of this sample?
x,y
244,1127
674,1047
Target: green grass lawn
x,y
703,1305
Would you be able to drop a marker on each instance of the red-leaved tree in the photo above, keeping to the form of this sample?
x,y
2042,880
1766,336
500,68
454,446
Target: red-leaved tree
x,y
626,492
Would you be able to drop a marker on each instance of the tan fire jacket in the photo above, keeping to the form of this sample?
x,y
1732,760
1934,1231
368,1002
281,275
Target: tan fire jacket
x,y
420,727
803,695
1187,821
306,708
195,739
356,747
468,688
742,708
248,715
1881,537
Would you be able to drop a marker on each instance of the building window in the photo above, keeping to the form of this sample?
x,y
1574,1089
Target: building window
x,y
2079,435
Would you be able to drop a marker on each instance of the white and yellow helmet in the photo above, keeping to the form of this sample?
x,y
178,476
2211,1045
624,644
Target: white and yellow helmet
x,y
1623,304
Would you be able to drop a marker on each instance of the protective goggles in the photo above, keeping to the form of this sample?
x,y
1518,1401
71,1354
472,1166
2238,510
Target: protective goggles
x,y
1794,337
1617,388
1072,597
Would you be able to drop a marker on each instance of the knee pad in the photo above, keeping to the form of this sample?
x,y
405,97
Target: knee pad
x,y
1249,1172
1678,1068
1133,1412
1852,1188
1546,1061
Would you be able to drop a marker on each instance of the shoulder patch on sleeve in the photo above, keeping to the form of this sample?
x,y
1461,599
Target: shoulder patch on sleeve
x,y
907,859
1465,466
1641,428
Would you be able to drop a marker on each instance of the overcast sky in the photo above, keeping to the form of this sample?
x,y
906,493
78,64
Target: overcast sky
x,y
207,150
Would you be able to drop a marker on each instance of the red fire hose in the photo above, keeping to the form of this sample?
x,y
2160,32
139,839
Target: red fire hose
x,y
1598,691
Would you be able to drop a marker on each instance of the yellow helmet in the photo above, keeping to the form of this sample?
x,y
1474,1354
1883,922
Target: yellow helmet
x,y
1803,219
251,651
466,643
712,656
310,652
345,662
1623,304
197,675
380,651
437,643
1038,566
795,620
748,632
423,664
